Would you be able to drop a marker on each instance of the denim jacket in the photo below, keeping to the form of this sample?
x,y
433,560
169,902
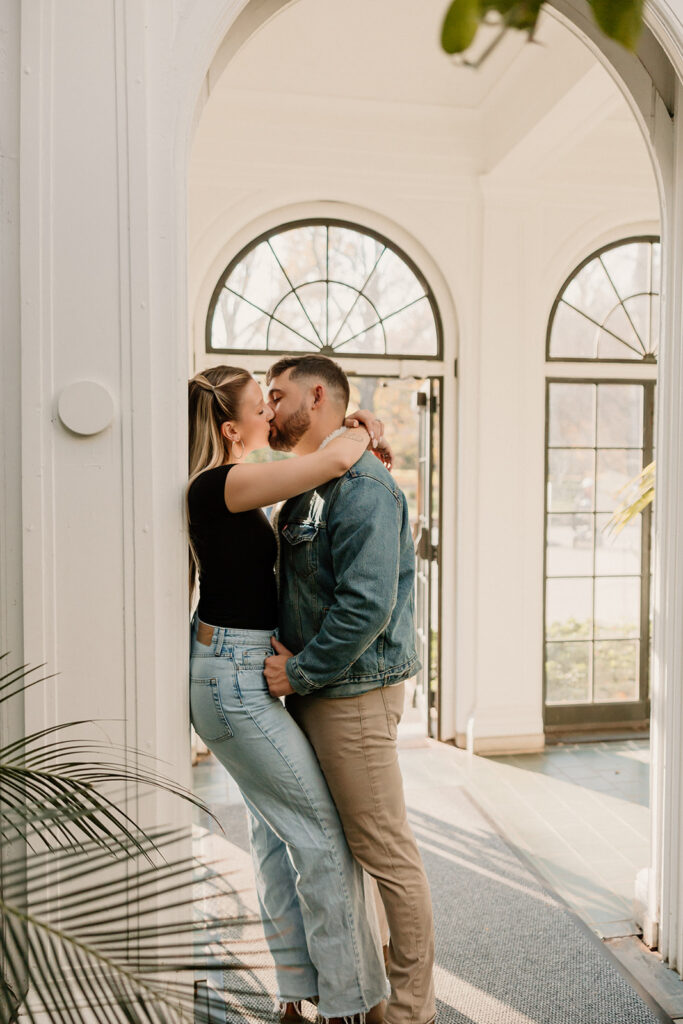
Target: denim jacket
x,y
347,574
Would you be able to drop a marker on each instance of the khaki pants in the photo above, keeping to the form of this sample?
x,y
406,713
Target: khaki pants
x,y
355,741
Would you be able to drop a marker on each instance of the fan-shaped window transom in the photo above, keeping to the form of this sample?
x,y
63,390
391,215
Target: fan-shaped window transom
x,y
324,286
609,308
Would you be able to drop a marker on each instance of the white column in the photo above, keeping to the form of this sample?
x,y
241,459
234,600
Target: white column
x,y
11,639
666,788
104,548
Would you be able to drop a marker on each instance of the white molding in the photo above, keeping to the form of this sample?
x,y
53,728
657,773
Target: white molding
x,y
36,271
484,746
605,371
11,586
666,881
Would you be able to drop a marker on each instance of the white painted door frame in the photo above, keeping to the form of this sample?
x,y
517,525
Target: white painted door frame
x,y
652,91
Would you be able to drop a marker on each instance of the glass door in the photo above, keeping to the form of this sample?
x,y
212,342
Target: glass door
x,y
427,590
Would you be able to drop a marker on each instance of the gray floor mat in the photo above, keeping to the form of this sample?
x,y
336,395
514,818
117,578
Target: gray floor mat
x,y
508,951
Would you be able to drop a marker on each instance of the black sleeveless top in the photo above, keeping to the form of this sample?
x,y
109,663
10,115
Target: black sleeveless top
x,y
236,552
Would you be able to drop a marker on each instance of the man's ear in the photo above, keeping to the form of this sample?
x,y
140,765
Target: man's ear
x,y
318,395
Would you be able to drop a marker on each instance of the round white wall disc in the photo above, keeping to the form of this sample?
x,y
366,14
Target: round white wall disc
x,y
85,407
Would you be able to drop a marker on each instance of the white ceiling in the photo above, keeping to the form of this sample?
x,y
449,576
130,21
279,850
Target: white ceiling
x,y
377,65
386,50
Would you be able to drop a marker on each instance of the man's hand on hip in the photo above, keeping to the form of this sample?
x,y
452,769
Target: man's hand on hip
x,y
275,671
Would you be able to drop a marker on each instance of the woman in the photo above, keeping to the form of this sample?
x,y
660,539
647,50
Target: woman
x,y
310,890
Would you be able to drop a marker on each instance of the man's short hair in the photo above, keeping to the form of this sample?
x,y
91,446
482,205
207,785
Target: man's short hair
x,y
326,370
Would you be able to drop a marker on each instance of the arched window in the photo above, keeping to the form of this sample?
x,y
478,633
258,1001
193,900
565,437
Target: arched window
x,y
608,309
324,286
599,436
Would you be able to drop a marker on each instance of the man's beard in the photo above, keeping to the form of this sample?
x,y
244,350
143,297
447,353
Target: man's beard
x,y
290,433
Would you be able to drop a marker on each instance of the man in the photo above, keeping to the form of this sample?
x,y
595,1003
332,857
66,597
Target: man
x,y
347,642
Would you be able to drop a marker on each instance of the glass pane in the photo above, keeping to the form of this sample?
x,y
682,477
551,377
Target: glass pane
x,y
369,340
569,549
392,285
656,256
639,310
359,331
615,470
567,668
617,607
236,324
341,302
616,670
620,415
413,331
619,325
617,554
591,291
629,267
282,339
572,335
313,298
258,278
352,256
569,609
610,347
291,312
570,480
571,415
302,253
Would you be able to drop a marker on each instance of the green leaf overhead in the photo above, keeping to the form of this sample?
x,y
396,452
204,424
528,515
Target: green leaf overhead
x,y
460,25
620,20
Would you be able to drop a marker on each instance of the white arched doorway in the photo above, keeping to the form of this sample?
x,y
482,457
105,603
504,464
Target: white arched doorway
x,y
651,84
403,378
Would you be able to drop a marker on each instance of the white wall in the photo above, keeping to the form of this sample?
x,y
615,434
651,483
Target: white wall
x,y
503,206
100,539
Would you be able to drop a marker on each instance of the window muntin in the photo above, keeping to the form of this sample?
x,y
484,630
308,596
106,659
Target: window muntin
x,y
599,434
599,437
324,286
608,309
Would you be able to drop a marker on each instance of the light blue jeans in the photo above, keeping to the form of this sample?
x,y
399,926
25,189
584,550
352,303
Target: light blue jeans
x,y
321,934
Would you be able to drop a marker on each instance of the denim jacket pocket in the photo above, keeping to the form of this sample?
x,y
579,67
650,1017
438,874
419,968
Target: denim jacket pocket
x,y
301,535
206,711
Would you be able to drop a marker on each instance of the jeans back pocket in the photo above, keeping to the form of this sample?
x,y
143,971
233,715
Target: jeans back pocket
x,y
206,711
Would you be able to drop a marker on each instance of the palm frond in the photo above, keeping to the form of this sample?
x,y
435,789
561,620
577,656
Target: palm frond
x,y
124,948
638,494
101,918
50,789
